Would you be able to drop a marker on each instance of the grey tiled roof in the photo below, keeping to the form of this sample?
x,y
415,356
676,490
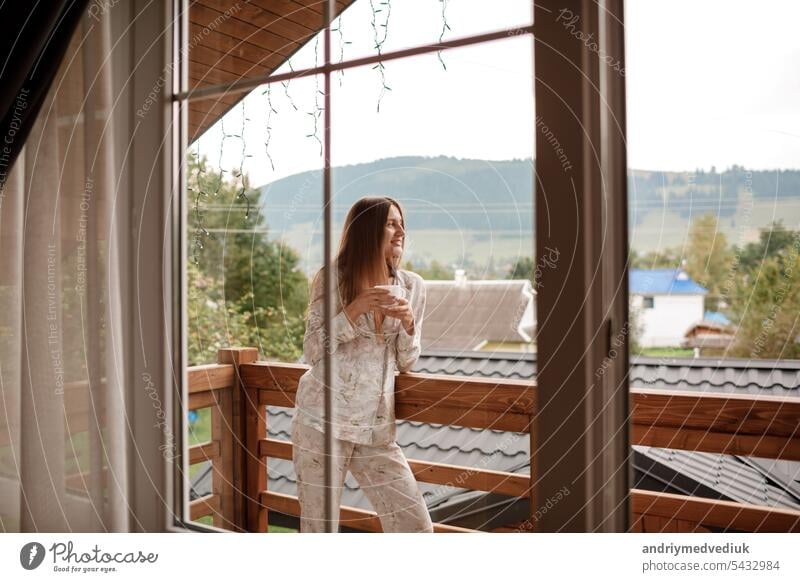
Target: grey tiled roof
x,y
462,314
747,480
730,375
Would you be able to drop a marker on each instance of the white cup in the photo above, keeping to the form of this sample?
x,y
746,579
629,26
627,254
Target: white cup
x,y
396,291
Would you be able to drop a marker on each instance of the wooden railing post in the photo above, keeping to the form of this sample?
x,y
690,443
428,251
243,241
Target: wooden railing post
x,y
221,468
237,443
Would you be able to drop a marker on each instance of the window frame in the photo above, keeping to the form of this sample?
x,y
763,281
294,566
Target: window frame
x,y
598,131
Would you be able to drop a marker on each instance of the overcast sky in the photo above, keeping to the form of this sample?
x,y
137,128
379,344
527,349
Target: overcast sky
x,y
709,83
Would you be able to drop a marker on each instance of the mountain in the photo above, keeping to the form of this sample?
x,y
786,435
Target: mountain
x,y
465,211
437,193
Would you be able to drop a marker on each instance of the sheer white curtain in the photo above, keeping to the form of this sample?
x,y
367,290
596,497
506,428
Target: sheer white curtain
x,y
64,455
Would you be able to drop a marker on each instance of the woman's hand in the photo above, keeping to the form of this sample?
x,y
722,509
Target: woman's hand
x,y
401,310
368,300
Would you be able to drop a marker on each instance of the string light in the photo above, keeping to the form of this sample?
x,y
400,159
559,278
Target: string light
x,y
270,111
445,27
379,43
244,184
342,43
286,85
317,108
198,192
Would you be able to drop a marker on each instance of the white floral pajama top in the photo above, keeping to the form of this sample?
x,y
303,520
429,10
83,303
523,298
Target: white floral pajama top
x,y
365,363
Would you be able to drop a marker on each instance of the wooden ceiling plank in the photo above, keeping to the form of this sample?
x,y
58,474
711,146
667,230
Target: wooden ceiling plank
x,y
252,42
263,18
228,63
241,30
299,15
228,45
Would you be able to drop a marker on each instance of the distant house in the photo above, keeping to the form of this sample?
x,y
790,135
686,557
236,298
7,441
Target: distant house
x,y
668,303
479,315
710,337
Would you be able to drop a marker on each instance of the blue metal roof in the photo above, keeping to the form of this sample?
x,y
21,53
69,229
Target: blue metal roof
x,y
716,317
663,282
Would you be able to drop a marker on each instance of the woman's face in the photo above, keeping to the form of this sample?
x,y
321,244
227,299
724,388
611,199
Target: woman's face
x,y
394,234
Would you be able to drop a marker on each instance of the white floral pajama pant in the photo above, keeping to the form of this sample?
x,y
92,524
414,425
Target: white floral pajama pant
x,y
382,472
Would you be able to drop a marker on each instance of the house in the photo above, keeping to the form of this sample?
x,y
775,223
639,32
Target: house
x,y
710,337
668,303
472,315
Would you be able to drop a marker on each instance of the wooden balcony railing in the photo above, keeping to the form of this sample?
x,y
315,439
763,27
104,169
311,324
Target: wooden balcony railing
x,y
238,389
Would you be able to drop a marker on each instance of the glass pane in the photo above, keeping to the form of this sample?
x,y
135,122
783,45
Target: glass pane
x,y
371,26
453,146
713,149
230,41
714,196
253,176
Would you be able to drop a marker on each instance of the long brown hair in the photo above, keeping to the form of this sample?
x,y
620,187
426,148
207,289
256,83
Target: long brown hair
x,y
360,259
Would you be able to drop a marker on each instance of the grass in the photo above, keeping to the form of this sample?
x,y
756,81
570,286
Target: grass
x,y
199,432
208,520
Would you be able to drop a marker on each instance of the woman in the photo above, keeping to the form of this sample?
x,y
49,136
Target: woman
x,y
374,334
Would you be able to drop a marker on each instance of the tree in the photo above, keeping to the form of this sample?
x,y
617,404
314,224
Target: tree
x,y
635,328
244,289
434,272
774,241
766,307
236,248
708,258
522,269
215,324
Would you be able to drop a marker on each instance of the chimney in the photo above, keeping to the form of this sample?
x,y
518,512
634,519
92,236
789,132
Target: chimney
x,y
461,277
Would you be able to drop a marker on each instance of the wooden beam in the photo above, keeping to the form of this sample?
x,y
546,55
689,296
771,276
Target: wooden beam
x,y
761,426
689,439
235,357
716,513
348,516
228,450
204,452
502,482
199,400
208,505
464,401
210,377
466,392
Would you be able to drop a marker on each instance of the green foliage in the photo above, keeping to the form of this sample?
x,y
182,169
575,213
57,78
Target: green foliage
x,y
708,259
760,285
765,305
634,331
243,289
774,241
522,269
433,272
